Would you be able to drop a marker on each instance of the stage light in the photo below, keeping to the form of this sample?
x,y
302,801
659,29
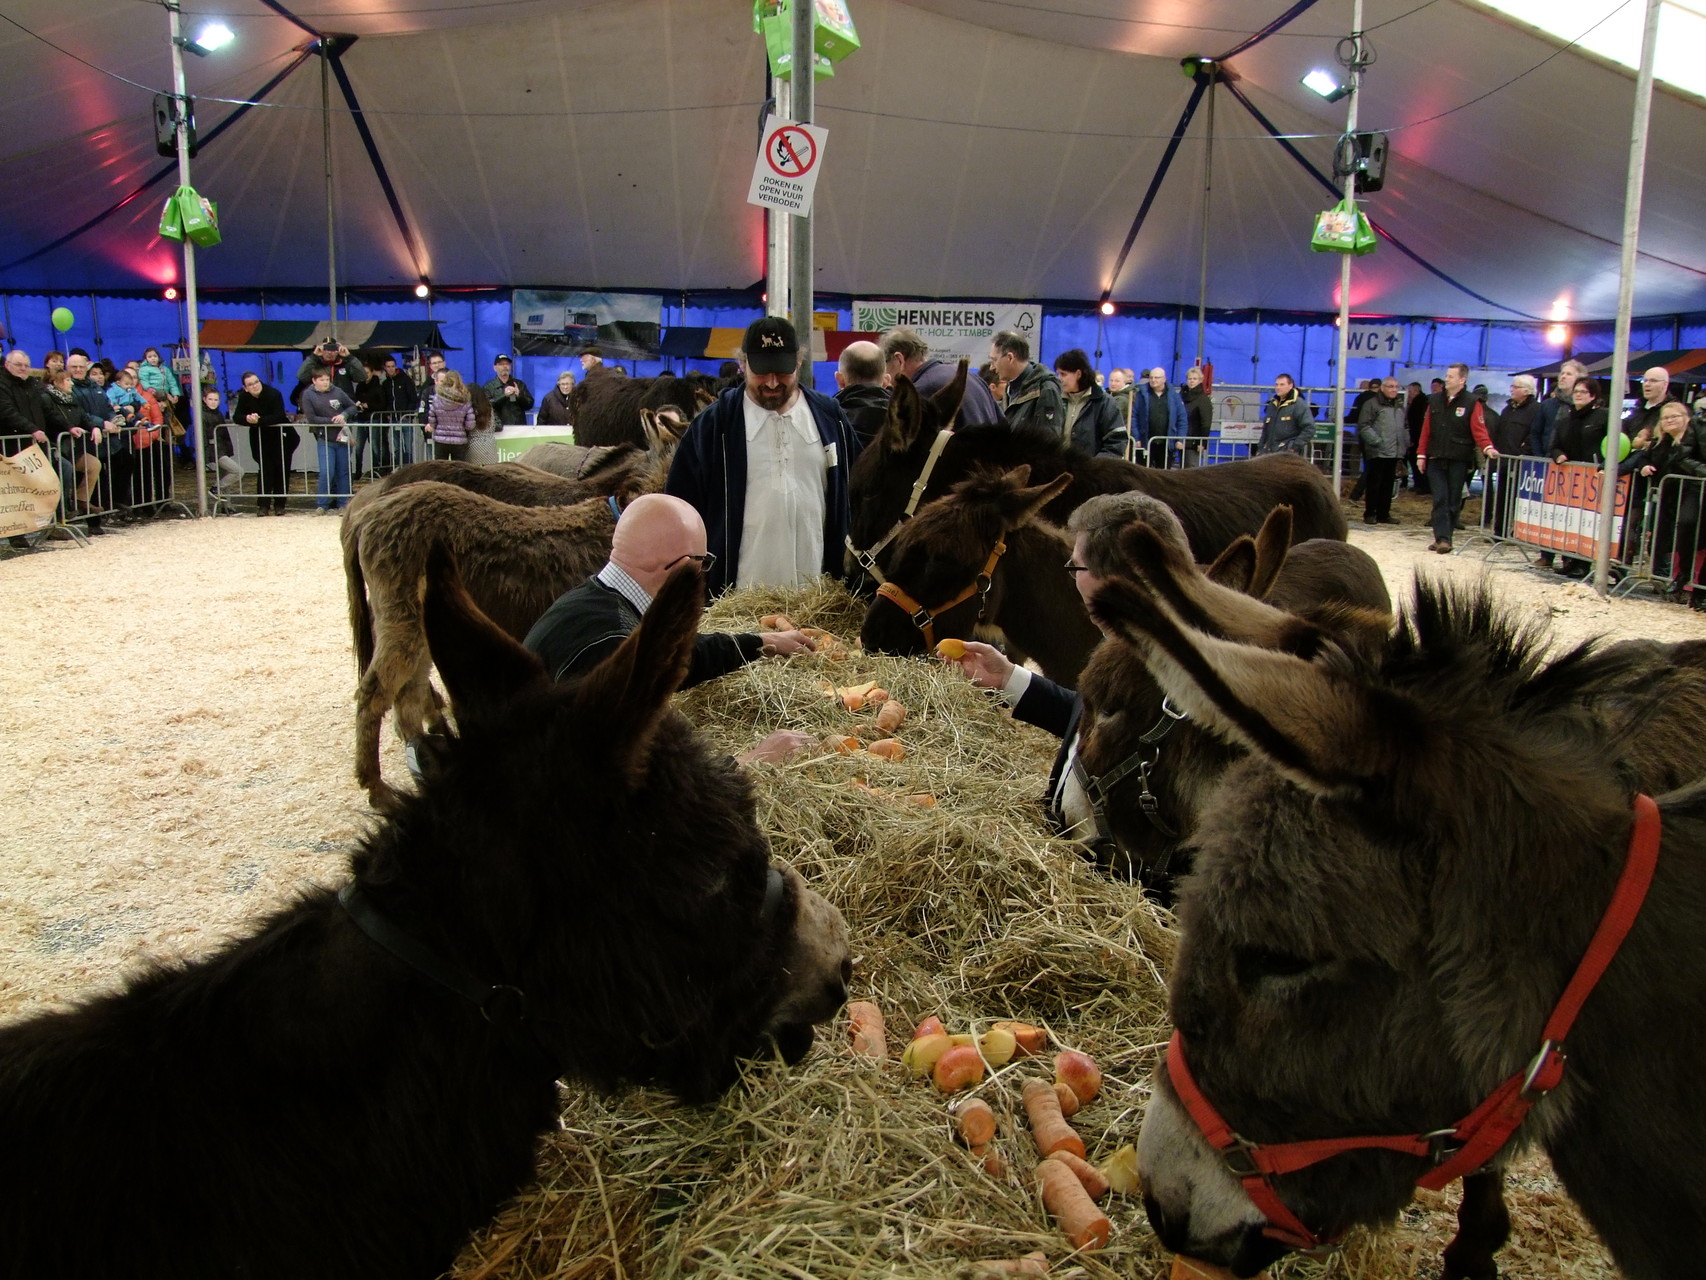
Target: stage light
x,y
423,288
171,293
214,37
1557,335
1325,84
1107,308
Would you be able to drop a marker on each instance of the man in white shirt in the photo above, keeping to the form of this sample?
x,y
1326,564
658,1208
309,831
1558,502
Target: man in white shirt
x,y
766,467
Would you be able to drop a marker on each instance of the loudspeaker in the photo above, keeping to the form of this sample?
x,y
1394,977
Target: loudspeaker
x,y
1370,161
166,124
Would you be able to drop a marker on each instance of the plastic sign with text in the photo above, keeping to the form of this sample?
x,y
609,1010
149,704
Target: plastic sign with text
x,y
788,164
1375,342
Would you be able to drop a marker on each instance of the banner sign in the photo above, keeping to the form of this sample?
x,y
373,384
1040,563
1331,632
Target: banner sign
x,y
1557,506
514,441
785,175
954,329
558,322
29,492
1374,342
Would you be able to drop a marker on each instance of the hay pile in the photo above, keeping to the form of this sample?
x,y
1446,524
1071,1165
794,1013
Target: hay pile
x,y
971,910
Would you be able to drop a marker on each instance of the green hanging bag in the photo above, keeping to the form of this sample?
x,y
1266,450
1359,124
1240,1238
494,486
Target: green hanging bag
x,y
1336,230
200,217
1367,239
171,223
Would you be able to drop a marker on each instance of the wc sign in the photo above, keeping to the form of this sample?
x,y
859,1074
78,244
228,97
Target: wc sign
x,y
1375,342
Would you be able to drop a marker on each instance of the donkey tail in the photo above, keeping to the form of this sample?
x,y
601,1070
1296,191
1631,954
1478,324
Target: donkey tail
x,y
360,611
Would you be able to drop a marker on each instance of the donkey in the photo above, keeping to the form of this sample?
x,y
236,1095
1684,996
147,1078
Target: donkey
x,y
580,890
1392,890
982,557
1143,769
605,407
918,455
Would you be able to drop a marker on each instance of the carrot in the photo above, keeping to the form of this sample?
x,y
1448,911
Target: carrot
x,y
876,697
1068,1100
865,1027
1032,1264
1095,1185
777,622
1064,1197
923,799
975,1120
844,745
951,649
847,690
1031,1040
1048,1126
853,701
1191,1269
994,1163
891,717
959,1068
888,749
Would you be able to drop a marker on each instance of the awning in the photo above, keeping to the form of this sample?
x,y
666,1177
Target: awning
x,y
1683,366
692,343
305,335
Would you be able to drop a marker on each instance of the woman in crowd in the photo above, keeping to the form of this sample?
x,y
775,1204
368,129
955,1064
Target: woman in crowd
x,y
1199,415
272,440
449,417
1581,428
73,447
554,409
1679,541
1093,424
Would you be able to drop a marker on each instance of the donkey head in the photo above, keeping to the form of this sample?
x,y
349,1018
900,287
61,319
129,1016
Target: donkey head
x,y
945,558
578,842
1346,966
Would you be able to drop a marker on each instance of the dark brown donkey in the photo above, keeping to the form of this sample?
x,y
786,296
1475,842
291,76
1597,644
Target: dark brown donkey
x,y
1142,768
1391,894
981,557
579,890
912,461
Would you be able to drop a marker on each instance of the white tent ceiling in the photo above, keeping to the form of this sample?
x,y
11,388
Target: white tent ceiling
x,y
977,148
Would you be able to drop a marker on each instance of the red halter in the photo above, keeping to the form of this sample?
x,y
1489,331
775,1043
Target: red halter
x,y
1472,1141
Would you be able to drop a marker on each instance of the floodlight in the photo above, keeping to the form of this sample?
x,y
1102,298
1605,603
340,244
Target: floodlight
x,y
1557,335
214,37
423,288
1325,84
171,293
1107,308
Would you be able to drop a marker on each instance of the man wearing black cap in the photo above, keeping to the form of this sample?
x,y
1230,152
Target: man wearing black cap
x,y
509,395
766,467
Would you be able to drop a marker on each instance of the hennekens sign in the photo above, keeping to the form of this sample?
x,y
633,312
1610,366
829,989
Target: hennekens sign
x,y
954,329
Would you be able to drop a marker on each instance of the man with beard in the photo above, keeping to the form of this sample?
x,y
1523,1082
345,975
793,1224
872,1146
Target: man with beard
x,y
766,467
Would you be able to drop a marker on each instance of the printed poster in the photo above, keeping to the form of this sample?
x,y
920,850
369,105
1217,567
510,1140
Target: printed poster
x,y
562,322
954,329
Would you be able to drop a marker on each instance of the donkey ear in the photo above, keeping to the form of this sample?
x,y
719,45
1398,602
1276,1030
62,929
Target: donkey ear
x,y
627,695
1234,567
1273,540
1321,728
951,395
1021,506
480,664
906,417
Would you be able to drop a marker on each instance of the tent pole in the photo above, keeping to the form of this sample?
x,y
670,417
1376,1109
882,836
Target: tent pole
x,y
800,225
1207,188
1626,295
1345,263
326,146
95,323
192,392
776,241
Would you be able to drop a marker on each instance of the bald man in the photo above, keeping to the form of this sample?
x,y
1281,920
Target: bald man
x,y
860,377
654,534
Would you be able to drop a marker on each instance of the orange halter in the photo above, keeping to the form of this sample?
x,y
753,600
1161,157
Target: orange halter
x,y
924,619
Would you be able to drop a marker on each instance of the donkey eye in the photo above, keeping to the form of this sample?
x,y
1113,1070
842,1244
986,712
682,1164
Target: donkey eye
x,y
1253,965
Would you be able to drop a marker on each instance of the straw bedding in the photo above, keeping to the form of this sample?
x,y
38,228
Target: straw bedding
x,y
174,758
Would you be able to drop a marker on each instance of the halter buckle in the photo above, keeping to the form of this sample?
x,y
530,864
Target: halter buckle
x,y
1544,1072
1240,1158
1442,1145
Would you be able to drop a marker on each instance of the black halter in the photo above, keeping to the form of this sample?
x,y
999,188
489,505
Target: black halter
x,y
1099,790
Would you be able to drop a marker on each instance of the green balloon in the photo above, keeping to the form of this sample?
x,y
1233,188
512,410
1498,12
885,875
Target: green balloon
x,y
1623,451
63,319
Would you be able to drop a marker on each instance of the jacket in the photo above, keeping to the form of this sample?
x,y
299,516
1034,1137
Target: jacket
x,y
1455,428
449,421
60,414
1143,406
159,379
867,408
1517,428
127,404
709,472
507,412
1380,427
396,396
978,409
1099,430
1034,399
97,409
268,407
554,410
1551,412
1580,434
22,410
319,408
348,373
1057,709
1199,412
589,623
1287,425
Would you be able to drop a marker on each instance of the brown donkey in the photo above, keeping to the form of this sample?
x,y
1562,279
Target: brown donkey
x,y
1391,894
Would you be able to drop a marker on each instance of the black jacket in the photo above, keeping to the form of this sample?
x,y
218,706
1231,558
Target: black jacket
x,y
1580,434
505,411
396,396
1517,431
1199,412
867,408
554,410
22,410
1055,708
589,623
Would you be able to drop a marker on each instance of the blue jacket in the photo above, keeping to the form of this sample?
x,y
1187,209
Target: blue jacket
x,y
709,472
1178,421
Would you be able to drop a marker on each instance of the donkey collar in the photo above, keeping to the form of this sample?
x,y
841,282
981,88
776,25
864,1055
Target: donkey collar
x,y
1474,1140
925,619
868,559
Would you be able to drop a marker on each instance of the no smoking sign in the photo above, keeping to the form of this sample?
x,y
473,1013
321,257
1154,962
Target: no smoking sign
x,y
788,163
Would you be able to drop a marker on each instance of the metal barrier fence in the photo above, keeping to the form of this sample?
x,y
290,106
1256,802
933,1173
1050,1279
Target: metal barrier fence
x,y
284,463
116,474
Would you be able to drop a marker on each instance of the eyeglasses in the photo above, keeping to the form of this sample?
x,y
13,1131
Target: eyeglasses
x,y
706,560
1075,569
